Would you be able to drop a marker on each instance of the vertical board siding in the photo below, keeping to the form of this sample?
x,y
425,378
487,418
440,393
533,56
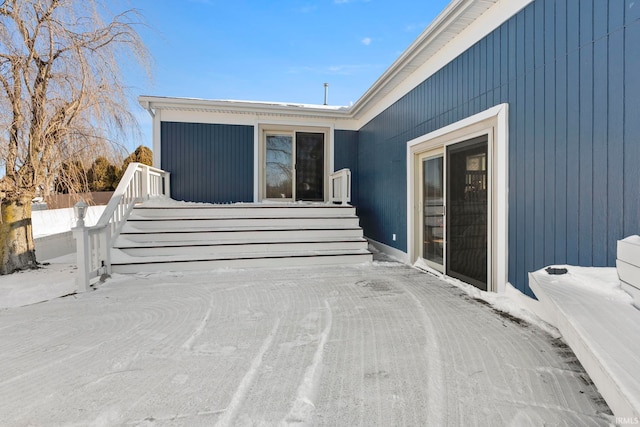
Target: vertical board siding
x,y
615,131
568,70
559,139
208,162
585,125
631,143
345,155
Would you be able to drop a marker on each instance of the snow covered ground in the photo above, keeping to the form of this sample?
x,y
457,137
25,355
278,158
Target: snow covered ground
x,y
376,344
380,344
54,221
54,280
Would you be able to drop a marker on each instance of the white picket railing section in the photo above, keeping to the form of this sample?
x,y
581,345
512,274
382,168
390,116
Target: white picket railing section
x,y
93,244
340,182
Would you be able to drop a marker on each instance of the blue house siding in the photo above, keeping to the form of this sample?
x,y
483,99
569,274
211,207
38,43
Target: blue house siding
x,y
345,155
568,70
208,162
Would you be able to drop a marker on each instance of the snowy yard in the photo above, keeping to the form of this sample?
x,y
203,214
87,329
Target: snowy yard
x,y
380,344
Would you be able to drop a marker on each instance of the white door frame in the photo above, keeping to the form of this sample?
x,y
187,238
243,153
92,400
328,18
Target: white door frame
x,y
493,123
419,159
265,129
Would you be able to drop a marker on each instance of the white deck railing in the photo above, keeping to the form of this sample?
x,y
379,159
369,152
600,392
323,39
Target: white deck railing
x,y
340,182
93,244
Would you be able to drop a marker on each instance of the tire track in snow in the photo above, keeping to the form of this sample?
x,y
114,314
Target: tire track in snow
x,y
435,381
247,380
49,366
302,409
188,344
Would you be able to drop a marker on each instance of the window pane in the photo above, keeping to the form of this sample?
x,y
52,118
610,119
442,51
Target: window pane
x,y
279,166
432,187
468,213
309,166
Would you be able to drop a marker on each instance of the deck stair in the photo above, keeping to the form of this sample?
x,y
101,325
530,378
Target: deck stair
x,y
185,236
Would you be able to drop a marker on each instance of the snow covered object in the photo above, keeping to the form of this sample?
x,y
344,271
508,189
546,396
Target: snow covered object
x,y
628,266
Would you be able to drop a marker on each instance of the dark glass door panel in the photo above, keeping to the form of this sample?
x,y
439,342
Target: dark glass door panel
x,y
310,166
467,211
433,211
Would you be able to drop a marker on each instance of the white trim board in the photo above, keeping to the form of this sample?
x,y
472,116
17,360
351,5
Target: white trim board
x,y
494,123
390,251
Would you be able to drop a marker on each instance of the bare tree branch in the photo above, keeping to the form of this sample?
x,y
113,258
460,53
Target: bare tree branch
x,y
65,101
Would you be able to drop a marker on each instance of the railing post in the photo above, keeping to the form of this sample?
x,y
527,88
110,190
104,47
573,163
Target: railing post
x,y
81,234
106,250
345,188
340,183
144,182
167,184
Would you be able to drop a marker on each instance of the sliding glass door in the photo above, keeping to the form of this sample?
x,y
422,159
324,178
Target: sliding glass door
x,y
468,205
453,211
432,209
279,166
295,166
310,166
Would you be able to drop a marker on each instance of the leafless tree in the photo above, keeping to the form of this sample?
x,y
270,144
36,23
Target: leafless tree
x,y
62,99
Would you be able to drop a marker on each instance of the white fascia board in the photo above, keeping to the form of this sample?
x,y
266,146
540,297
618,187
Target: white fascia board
x,y
242,107
189,116
502,11
183,110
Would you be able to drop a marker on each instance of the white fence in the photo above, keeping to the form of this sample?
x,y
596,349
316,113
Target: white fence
x,y
93,244
340,182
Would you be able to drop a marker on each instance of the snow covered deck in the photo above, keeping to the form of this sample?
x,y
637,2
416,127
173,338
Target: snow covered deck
x,y
599,322
380,344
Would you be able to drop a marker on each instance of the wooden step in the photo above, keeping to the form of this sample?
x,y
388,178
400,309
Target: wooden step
x,y
122,263
213,224
254,210
242,235
235,248
191,236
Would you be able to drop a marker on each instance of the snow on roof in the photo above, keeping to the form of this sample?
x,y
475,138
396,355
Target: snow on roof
x,y
238,102
289,104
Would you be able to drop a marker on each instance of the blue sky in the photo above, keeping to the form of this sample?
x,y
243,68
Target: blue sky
x,y
282,50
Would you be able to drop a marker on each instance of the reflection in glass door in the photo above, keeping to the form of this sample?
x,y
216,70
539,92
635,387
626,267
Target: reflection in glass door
x,y
452,225
310,166
279,166
433,212
295,166
467,206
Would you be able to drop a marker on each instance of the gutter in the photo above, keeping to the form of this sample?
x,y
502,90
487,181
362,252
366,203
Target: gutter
x,y
147,106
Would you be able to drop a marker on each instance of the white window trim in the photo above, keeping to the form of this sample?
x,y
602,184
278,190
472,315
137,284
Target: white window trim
x,y
495,123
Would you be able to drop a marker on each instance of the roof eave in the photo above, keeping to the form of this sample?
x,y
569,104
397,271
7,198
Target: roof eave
x,y
241,107
449,15
430,41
